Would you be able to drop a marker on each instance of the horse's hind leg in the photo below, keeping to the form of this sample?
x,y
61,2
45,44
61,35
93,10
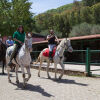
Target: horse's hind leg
x,y
62,65
40,67
29,73
48,69
16,70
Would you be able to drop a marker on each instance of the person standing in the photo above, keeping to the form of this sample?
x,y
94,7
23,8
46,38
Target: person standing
x,y
9,42
19,38
52,38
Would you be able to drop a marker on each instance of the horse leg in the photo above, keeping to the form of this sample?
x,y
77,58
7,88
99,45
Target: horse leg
x,y
8,70
16,70
3,64
62,65
55,66
23,74
29,73
48,69
40,67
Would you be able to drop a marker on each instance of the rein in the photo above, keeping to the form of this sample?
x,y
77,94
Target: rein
x,y
63,47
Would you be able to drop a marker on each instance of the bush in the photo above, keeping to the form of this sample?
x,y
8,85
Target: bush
x,y
95,29
85,29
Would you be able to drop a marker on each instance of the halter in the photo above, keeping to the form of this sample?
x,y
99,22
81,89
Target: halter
x,y
64,47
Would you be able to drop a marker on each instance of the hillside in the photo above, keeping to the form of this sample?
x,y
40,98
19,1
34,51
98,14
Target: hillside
x,y
61,9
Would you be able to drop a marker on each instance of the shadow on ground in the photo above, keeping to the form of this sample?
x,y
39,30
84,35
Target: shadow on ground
x,y
30,87
3,74
66,81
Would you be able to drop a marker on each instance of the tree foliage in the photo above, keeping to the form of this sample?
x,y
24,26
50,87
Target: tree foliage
x,y
64,21
90,2
14,13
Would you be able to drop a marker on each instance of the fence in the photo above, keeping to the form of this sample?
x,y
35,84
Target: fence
x,y
85,56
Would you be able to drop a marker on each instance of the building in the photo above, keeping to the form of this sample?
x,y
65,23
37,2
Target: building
x,y
78,43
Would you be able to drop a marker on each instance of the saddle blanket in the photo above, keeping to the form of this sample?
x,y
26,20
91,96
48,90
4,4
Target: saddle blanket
x,y
46,52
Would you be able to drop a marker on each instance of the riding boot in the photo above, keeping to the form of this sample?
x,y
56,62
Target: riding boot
x,y
50,55
12,55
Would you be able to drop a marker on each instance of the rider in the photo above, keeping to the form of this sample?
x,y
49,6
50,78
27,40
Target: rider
x,y
51,42
18,37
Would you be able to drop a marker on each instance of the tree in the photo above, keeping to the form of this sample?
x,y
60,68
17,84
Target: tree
x,y
96,13
14,13
90,2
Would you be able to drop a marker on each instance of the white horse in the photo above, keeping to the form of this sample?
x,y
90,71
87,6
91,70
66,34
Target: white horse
x,y
58,57
23,60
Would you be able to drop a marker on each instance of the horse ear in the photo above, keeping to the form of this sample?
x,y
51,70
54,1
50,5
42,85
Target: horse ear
x,y
26,34
31,33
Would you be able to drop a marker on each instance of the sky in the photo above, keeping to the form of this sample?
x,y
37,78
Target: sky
x,y
40,6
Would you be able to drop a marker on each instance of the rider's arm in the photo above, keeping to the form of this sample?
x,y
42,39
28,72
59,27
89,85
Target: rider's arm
x,y
49,37
17,40
56,39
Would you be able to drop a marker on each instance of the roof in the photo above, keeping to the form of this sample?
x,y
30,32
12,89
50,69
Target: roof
x,y
38,35
86,37
95,36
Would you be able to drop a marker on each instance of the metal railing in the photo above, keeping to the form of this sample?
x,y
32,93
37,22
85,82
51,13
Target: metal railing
x,y
87,58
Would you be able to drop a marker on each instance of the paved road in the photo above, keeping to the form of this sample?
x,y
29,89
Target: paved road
x,y
74,67
68,88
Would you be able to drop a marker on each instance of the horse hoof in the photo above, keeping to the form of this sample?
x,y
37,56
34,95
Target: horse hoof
x,y
9,81
26,79
24,86
3,73
17,82
49,77
60,78
38,75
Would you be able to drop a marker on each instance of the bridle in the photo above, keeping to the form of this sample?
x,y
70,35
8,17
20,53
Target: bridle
x,y
68,46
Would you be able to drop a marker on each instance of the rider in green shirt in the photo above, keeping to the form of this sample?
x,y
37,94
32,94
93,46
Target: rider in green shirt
x,y
18,37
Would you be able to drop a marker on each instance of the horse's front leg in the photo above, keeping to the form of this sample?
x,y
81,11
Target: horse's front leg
x,y
16,70
55,66
8,71
3,62
23,74
29,73
48,64
62,66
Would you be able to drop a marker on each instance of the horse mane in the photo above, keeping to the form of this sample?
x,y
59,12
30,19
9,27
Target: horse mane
x,y
61,43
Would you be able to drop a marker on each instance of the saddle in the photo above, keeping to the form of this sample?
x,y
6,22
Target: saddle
x,y
46,52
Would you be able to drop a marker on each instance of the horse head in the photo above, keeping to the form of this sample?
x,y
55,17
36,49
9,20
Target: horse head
x,y
67,43
27,42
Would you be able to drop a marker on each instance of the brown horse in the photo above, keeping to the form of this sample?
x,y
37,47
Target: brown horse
x,y
3,55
